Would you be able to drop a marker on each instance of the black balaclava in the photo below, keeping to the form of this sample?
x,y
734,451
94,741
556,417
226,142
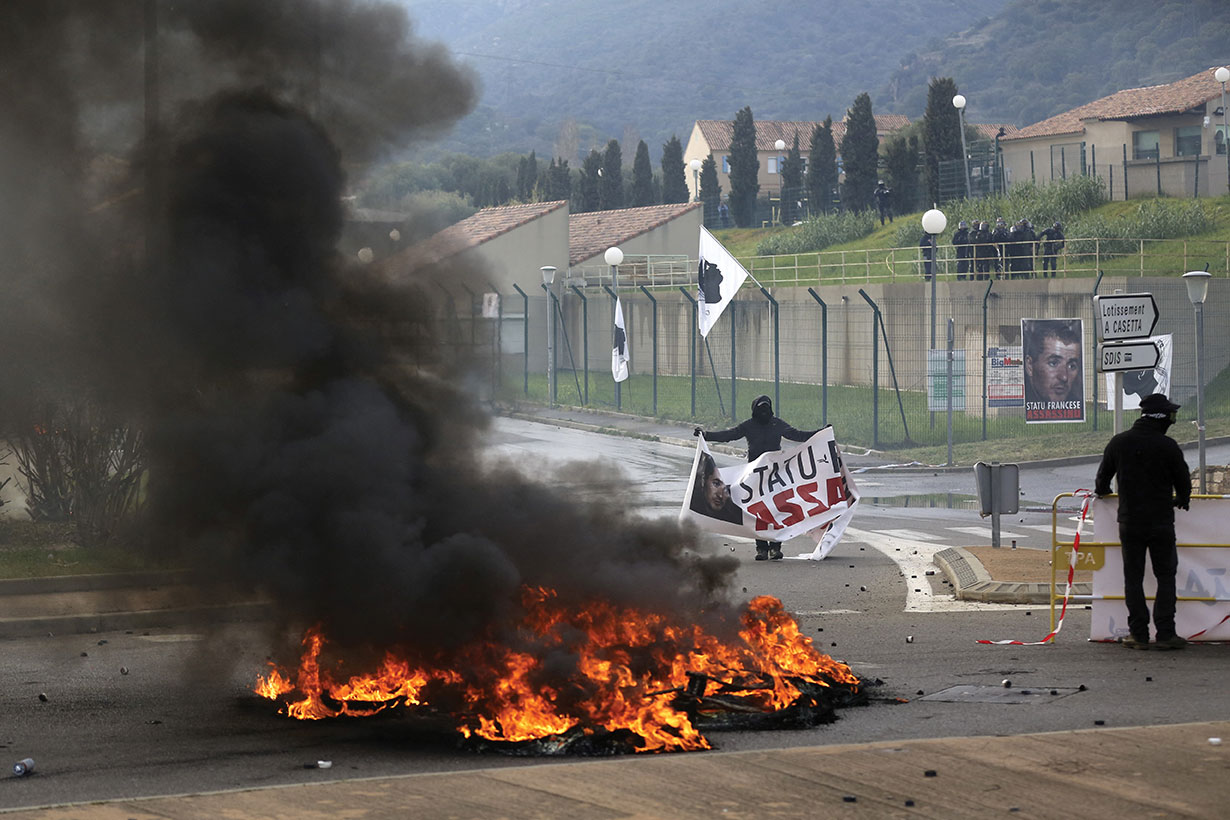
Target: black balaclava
x,y
762,409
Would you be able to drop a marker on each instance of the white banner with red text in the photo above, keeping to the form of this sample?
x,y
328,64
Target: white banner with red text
x,y
1202,583
803,489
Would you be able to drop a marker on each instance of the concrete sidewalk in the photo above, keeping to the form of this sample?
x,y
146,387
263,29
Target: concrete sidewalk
x,y
1112,773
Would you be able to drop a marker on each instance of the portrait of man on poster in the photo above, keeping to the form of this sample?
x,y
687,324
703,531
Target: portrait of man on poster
x,y
1054,369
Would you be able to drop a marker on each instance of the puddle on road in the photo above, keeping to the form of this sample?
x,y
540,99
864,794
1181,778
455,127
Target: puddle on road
x,y
943,501
948,501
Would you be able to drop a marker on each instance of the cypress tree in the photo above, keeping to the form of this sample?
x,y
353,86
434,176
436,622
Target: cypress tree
x,y
642,177
527,177
587,184
901,171
559,180
710,190
792,183
941,131
860,155
744,169
674,179
611,181
822,167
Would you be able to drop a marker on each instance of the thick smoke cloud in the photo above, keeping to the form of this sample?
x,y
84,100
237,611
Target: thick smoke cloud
x,y
190,282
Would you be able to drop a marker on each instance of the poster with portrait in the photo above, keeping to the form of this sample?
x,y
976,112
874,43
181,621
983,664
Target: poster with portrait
x,y
1054,363
802,489
1139,383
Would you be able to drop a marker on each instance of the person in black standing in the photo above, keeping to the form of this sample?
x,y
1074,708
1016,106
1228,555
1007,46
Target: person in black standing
x,y
883,195
965,249
764,433
1012,252
927,253
1153,480
999,237
1052,243
1028,241
984,251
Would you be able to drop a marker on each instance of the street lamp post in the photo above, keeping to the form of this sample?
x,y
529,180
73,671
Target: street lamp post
x,y
1222,75
695,164
614,257
548,284
933,222
999,163
780,145
1197,282
959,102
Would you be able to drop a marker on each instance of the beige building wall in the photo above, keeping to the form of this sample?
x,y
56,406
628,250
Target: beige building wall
x,y
697,148
1104,145
517,257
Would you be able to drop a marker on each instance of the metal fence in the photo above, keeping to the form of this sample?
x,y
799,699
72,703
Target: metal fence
x,y
1081,257
870,357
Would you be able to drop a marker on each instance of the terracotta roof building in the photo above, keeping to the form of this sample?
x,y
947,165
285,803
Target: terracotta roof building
x,y
714,137
1159,139
664,230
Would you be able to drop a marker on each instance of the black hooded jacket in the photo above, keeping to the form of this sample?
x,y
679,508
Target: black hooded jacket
x,y
764,431
1153,476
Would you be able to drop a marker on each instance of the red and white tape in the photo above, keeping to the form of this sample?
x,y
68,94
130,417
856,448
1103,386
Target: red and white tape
x,y
1067,592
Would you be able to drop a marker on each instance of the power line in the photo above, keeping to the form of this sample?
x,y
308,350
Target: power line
x,y
609,71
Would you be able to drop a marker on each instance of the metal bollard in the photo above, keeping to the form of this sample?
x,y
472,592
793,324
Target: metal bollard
x,y
23,767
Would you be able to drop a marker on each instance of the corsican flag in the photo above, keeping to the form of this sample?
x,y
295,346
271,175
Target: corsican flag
x,y
719,277
619,353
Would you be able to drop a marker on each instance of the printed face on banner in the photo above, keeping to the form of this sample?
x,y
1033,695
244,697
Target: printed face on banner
x,y
711,491
1054,370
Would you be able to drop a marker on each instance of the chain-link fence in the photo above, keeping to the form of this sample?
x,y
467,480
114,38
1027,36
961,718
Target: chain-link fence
x,y
872,358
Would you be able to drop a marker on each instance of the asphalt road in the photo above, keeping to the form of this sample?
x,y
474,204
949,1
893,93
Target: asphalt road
x,y
183,719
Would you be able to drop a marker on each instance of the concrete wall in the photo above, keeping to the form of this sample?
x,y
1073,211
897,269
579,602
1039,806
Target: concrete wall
x,y
906,308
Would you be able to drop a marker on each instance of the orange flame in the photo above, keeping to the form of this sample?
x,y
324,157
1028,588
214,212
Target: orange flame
x,y
628,665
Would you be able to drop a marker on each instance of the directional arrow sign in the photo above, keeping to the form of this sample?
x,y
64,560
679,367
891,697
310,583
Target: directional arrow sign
x,y
1125,316
1114,356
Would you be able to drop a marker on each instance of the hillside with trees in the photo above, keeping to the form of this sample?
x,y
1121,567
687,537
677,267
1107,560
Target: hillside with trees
x,y
1037,58
561,79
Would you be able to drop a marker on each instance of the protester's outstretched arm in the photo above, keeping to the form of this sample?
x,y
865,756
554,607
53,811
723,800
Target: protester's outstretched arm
x,y
724,435
797,435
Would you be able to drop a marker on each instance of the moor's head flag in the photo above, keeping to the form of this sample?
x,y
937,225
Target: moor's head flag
x,y
619,353
718,278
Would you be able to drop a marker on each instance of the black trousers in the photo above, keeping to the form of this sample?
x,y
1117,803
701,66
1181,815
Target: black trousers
x,y
1158,541
763,547
1049,261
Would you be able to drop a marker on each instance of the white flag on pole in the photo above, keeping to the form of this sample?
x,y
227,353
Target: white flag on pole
x,y
719,277
619,353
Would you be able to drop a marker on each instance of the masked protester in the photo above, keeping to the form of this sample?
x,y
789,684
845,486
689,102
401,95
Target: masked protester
x,y
764,433
1153,480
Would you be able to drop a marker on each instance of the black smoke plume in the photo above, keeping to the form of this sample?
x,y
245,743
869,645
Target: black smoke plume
x,y
310,437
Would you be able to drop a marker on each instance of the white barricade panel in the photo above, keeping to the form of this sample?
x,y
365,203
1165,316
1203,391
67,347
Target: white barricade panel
x,y
1204,572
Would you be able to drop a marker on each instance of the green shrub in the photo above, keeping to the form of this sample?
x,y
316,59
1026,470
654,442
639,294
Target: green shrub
x,y
1152,219
818,233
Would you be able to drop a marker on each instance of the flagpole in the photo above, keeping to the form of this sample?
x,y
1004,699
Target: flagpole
x,y
613,257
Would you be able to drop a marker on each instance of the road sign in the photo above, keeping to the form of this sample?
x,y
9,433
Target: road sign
x,y
1115,356
1125,316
